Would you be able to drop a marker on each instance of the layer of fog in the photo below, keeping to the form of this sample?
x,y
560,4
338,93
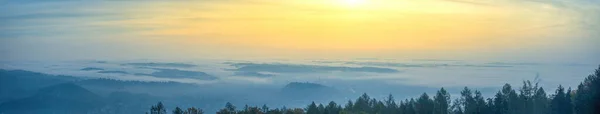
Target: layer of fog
x,y
335,73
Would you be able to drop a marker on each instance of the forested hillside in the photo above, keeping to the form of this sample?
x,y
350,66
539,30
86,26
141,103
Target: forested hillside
x,y
527,99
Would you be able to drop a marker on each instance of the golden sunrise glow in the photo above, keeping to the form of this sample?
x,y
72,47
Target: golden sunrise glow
x,y
358,25
353,3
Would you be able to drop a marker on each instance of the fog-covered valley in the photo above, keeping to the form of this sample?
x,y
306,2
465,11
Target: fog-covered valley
x,y
133,86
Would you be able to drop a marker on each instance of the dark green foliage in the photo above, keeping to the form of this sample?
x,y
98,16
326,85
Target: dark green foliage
x,y
250,110
441,102
490,106
390,105
540,102
424,105
587,96
177,110
264,108
229,109
312,109
500,104
294,111
349,106
274,111
410,107
158,109
321,108
559,102
193,110
481,106
456,108
332,108
514,103
362,104
468,102
568,106
526,97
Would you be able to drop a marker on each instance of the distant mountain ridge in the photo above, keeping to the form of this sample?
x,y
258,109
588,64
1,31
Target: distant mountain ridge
x,y
14,84
301,90
66,98
26,92
304,86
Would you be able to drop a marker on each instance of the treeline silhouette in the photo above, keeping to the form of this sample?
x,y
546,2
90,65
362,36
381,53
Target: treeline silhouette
x,y
528,99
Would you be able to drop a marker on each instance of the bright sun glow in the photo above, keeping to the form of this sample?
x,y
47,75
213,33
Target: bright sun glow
x,y
353,2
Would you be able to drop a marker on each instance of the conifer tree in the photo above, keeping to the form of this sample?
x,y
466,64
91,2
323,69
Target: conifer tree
x,y
587,96
424,105
540,100
441,102
158,109
558,101
177,110
312,108
390,105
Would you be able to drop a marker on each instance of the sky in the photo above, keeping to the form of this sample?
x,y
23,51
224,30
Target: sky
x,y
523,30
555,38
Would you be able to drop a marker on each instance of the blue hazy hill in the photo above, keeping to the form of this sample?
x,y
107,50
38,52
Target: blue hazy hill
x,y
66,98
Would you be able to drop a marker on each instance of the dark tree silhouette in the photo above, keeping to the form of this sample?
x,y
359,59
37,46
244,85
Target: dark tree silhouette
x,y
441,103
177,110
193,110
158,109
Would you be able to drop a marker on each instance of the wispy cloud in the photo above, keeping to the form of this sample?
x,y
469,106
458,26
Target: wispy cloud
x,y
175,73
91,69
303,68
113,72
176,65
253,74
